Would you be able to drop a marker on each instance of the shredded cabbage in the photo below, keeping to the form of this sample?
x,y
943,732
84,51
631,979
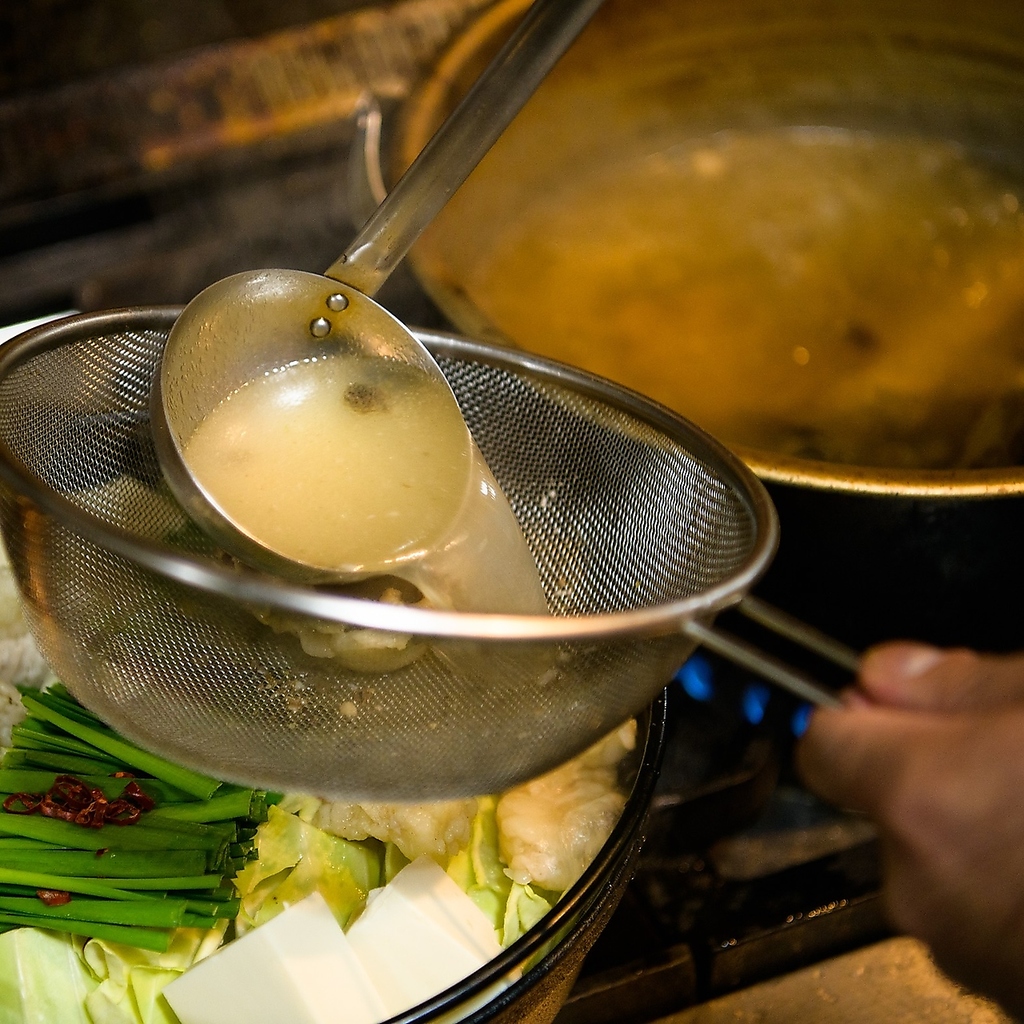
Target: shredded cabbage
x,y
296,859
438,830
42,979
128,981
552,827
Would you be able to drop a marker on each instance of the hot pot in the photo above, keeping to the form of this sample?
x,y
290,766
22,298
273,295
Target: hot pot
x,y
868,551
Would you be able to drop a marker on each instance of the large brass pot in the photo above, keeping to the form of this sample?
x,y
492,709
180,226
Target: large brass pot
x,y
867,552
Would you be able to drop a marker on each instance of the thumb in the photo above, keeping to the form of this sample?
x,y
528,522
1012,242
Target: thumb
x,y
919,677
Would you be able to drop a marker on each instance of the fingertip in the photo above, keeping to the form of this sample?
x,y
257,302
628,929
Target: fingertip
x,y
899,660
889,673
841,756
854,698
814,753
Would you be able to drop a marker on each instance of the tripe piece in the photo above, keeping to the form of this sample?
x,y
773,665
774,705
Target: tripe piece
x,y
298,967
419,935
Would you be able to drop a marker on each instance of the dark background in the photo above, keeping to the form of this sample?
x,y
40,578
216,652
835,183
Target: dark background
x,y
149,149
46,43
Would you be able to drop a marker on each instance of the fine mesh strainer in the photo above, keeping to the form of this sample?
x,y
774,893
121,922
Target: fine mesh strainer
x,y
642,527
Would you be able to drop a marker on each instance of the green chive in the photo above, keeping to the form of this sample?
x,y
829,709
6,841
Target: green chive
x,y
64,764
213,908
142,938
198,921
71,708
200,786
239,804
27,736
65,883
172,884
21,843
110,837
124,864
150,914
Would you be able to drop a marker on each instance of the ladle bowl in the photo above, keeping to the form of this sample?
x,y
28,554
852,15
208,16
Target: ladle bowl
x,y
239,329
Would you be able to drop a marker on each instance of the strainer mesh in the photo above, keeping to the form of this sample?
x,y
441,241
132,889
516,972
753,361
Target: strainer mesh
x,y
618,513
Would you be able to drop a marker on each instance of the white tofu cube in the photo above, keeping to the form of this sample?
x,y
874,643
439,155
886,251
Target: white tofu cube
x,y
419,935
298,967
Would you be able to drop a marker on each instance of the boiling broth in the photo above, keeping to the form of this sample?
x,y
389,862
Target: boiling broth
x,y
820,293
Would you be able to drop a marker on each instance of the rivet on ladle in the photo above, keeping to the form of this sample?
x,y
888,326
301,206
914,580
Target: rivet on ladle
x,y
320,327
337,302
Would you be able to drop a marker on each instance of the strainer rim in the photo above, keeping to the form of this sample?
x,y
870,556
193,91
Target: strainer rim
x,y
261,589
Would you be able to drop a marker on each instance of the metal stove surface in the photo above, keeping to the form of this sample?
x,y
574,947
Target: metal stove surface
x,y
892,980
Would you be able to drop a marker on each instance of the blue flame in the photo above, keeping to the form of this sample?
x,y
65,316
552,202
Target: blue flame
x,y
755,702
697,678
801,719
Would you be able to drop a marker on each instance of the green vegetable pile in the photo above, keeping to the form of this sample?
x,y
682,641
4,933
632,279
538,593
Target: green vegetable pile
x,y
96,918
132,883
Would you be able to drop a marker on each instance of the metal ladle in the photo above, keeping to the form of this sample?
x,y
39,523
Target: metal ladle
x,y
260,320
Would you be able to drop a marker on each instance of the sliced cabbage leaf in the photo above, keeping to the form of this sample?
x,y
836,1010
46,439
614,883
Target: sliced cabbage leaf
x,y
108,1004
129,981
491,885
147,984
524,908
295,859
460,870
114,961
479,870
301,805
42,979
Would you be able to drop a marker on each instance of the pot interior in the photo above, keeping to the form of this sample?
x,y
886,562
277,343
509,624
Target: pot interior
x,y
801,225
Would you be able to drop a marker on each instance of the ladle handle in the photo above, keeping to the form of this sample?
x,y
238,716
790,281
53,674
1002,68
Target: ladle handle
x,y
545,33
775,671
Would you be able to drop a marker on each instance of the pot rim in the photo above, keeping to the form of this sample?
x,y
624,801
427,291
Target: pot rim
x,y
852,479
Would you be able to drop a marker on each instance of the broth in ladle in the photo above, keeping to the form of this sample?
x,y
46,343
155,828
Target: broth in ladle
x,y
365,466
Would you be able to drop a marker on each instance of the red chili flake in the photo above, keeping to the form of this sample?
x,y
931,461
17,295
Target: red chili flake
x,y
121,812
54,897
103,851
134,793
22,803
70,799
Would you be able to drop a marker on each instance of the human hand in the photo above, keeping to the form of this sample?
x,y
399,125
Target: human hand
x,y
931,747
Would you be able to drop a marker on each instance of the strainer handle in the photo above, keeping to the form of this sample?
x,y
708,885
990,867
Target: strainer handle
x,y
752,658
792,628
